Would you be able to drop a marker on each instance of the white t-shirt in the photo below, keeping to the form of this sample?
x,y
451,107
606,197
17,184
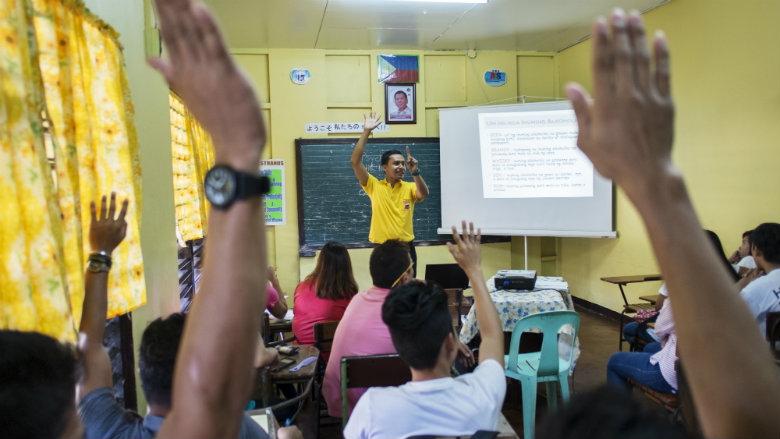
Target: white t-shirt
x,y
747,262
444,406
763,296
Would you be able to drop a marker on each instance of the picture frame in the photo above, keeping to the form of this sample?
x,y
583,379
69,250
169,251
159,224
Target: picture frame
x,y
404,110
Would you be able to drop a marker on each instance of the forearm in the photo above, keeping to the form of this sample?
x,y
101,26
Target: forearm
x,y
210,369
422,187
95,306
703,298
490,327
360,148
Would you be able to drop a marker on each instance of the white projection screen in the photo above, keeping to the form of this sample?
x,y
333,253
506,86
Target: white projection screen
x,y
515,170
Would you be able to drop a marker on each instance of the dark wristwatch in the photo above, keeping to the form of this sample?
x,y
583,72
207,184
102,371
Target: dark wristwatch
x,y
224,185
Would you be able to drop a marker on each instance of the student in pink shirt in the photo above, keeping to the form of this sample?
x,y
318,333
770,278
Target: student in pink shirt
x,y
277,303
325,293
362,331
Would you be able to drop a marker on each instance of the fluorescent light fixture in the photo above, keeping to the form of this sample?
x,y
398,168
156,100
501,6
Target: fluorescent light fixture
x,y
444,1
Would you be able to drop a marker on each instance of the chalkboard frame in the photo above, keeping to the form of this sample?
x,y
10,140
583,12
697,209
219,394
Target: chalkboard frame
x,y
309,250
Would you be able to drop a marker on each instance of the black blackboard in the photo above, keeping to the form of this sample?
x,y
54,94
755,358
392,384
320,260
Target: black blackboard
x,y
333,207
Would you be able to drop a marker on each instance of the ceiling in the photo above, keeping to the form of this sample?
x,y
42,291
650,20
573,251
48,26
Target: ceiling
x,y
525,25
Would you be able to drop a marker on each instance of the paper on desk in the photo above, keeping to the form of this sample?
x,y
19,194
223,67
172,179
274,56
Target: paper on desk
x,y
551,283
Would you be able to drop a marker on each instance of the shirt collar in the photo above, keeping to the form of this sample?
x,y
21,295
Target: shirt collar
x,y
153,423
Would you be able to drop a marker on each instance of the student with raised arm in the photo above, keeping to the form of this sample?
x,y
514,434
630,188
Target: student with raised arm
x,y
434,403
214,369
392,199
627,132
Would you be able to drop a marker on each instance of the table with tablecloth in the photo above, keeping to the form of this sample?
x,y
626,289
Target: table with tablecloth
x,y
513,305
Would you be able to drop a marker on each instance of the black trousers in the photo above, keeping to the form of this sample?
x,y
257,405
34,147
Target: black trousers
x,y
413,254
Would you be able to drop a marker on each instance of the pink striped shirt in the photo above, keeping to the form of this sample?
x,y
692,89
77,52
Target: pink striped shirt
x,y
666,358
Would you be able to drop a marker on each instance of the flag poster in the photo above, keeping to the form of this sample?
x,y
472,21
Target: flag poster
x,y
398,68
275,212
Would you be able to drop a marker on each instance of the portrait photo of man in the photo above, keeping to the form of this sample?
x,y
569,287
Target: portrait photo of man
x,y
400,103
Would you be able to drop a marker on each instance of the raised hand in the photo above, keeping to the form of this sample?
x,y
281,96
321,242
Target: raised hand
x,y
468,253
201,71
411,162
630,119
105,231
372,121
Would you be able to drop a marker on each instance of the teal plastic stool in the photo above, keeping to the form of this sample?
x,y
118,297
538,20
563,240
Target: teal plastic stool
x,y
544,366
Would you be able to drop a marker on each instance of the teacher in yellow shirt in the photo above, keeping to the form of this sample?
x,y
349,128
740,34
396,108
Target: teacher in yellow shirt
x,y
392,199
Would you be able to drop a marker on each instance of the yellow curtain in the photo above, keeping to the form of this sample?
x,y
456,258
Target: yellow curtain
x,y
33,287
192,158
84,88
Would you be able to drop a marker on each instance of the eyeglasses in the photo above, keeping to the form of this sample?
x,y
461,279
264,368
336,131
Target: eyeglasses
x,y
403,274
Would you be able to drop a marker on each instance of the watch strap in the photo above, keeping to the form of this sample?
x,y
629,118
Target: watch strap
x,y
248,185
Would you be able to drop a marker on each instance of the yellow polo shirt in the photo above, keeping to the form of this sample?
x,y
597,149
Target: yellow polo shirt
x,y
392,210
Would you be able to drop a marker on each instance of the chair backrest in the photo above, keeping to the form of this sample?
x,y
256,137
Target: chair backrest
x,y
773,333
266,332
550,324
371,371
324,333
454,298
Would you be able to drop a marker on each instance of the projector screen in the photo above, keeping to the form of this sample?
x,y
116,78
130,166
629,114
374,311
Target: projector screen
x,y
516,170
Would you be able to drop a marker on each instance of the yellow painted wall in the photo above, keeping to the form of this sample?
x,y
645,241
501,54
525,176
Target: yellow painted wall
x,y
343,87
725,79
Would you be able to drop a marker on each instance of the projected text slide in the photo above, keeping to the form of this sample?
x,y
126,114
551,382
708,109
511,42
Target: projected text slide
x,y
533,154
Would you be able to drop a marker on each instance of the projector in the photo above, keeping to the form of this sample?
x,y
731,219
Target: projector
x,y
515,279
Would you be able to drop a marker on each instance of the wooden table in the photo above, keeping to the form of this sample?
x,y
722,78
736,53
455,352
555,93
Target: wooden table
x,y
284,376
631,308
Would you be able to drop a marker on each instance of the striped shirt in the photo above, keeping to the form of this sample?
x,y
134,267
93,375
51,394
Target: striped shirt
x,y
667,356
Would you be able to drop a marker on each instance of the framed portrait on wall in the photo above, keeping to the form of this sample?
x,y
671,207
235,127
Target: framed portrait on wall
x,y
400,103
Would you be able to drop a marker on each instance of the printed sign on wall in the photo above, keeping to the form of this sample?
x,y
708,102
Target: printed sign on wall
x,y
275,211
495,77
342,127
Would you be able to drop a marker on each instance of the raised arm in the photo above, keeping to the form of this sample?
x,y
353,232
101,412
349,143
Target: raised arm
x,y
627,132
469,256
370,123
214,368
421,191
105,234
279,310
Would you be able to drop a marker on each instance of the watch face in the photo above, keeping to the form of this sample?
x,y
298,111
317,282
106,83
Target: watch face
x,y
220,186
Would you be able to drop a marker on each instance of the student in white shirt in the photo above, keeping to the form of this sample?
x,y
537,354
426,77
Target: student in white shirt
x,y
741,259
434,403
762,295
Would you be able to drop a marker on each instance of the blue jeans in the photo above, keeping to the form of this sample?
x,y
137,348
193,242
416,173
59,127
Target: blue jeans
x,y
636,365
634,329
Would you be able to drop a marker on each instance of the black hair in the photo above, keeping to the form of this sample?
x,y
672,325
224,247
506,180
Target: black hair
x,y
719,250
386,155
388,262
608,411
333,274
401,92
157,357
766,237
747,233
38,378
419,321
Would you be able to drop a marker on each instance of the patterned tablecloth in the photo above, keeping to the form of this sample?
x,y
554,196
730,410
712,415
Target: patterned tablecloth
x,y
513,305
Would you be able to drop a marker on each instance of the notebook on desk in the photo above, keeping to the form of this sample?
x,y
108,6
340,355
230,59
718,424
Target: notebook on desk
x,y
446,275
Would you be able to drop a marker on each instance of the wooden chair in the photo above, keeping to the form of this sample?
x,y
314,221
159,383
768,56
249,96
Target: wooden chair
x,y
454,302
323,335
370,371
323,340
773,333
679,406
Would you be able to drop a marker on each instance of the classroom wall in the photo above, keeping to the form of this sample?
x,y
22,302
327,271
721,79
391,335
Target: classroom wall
x,y
725,63
343,87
